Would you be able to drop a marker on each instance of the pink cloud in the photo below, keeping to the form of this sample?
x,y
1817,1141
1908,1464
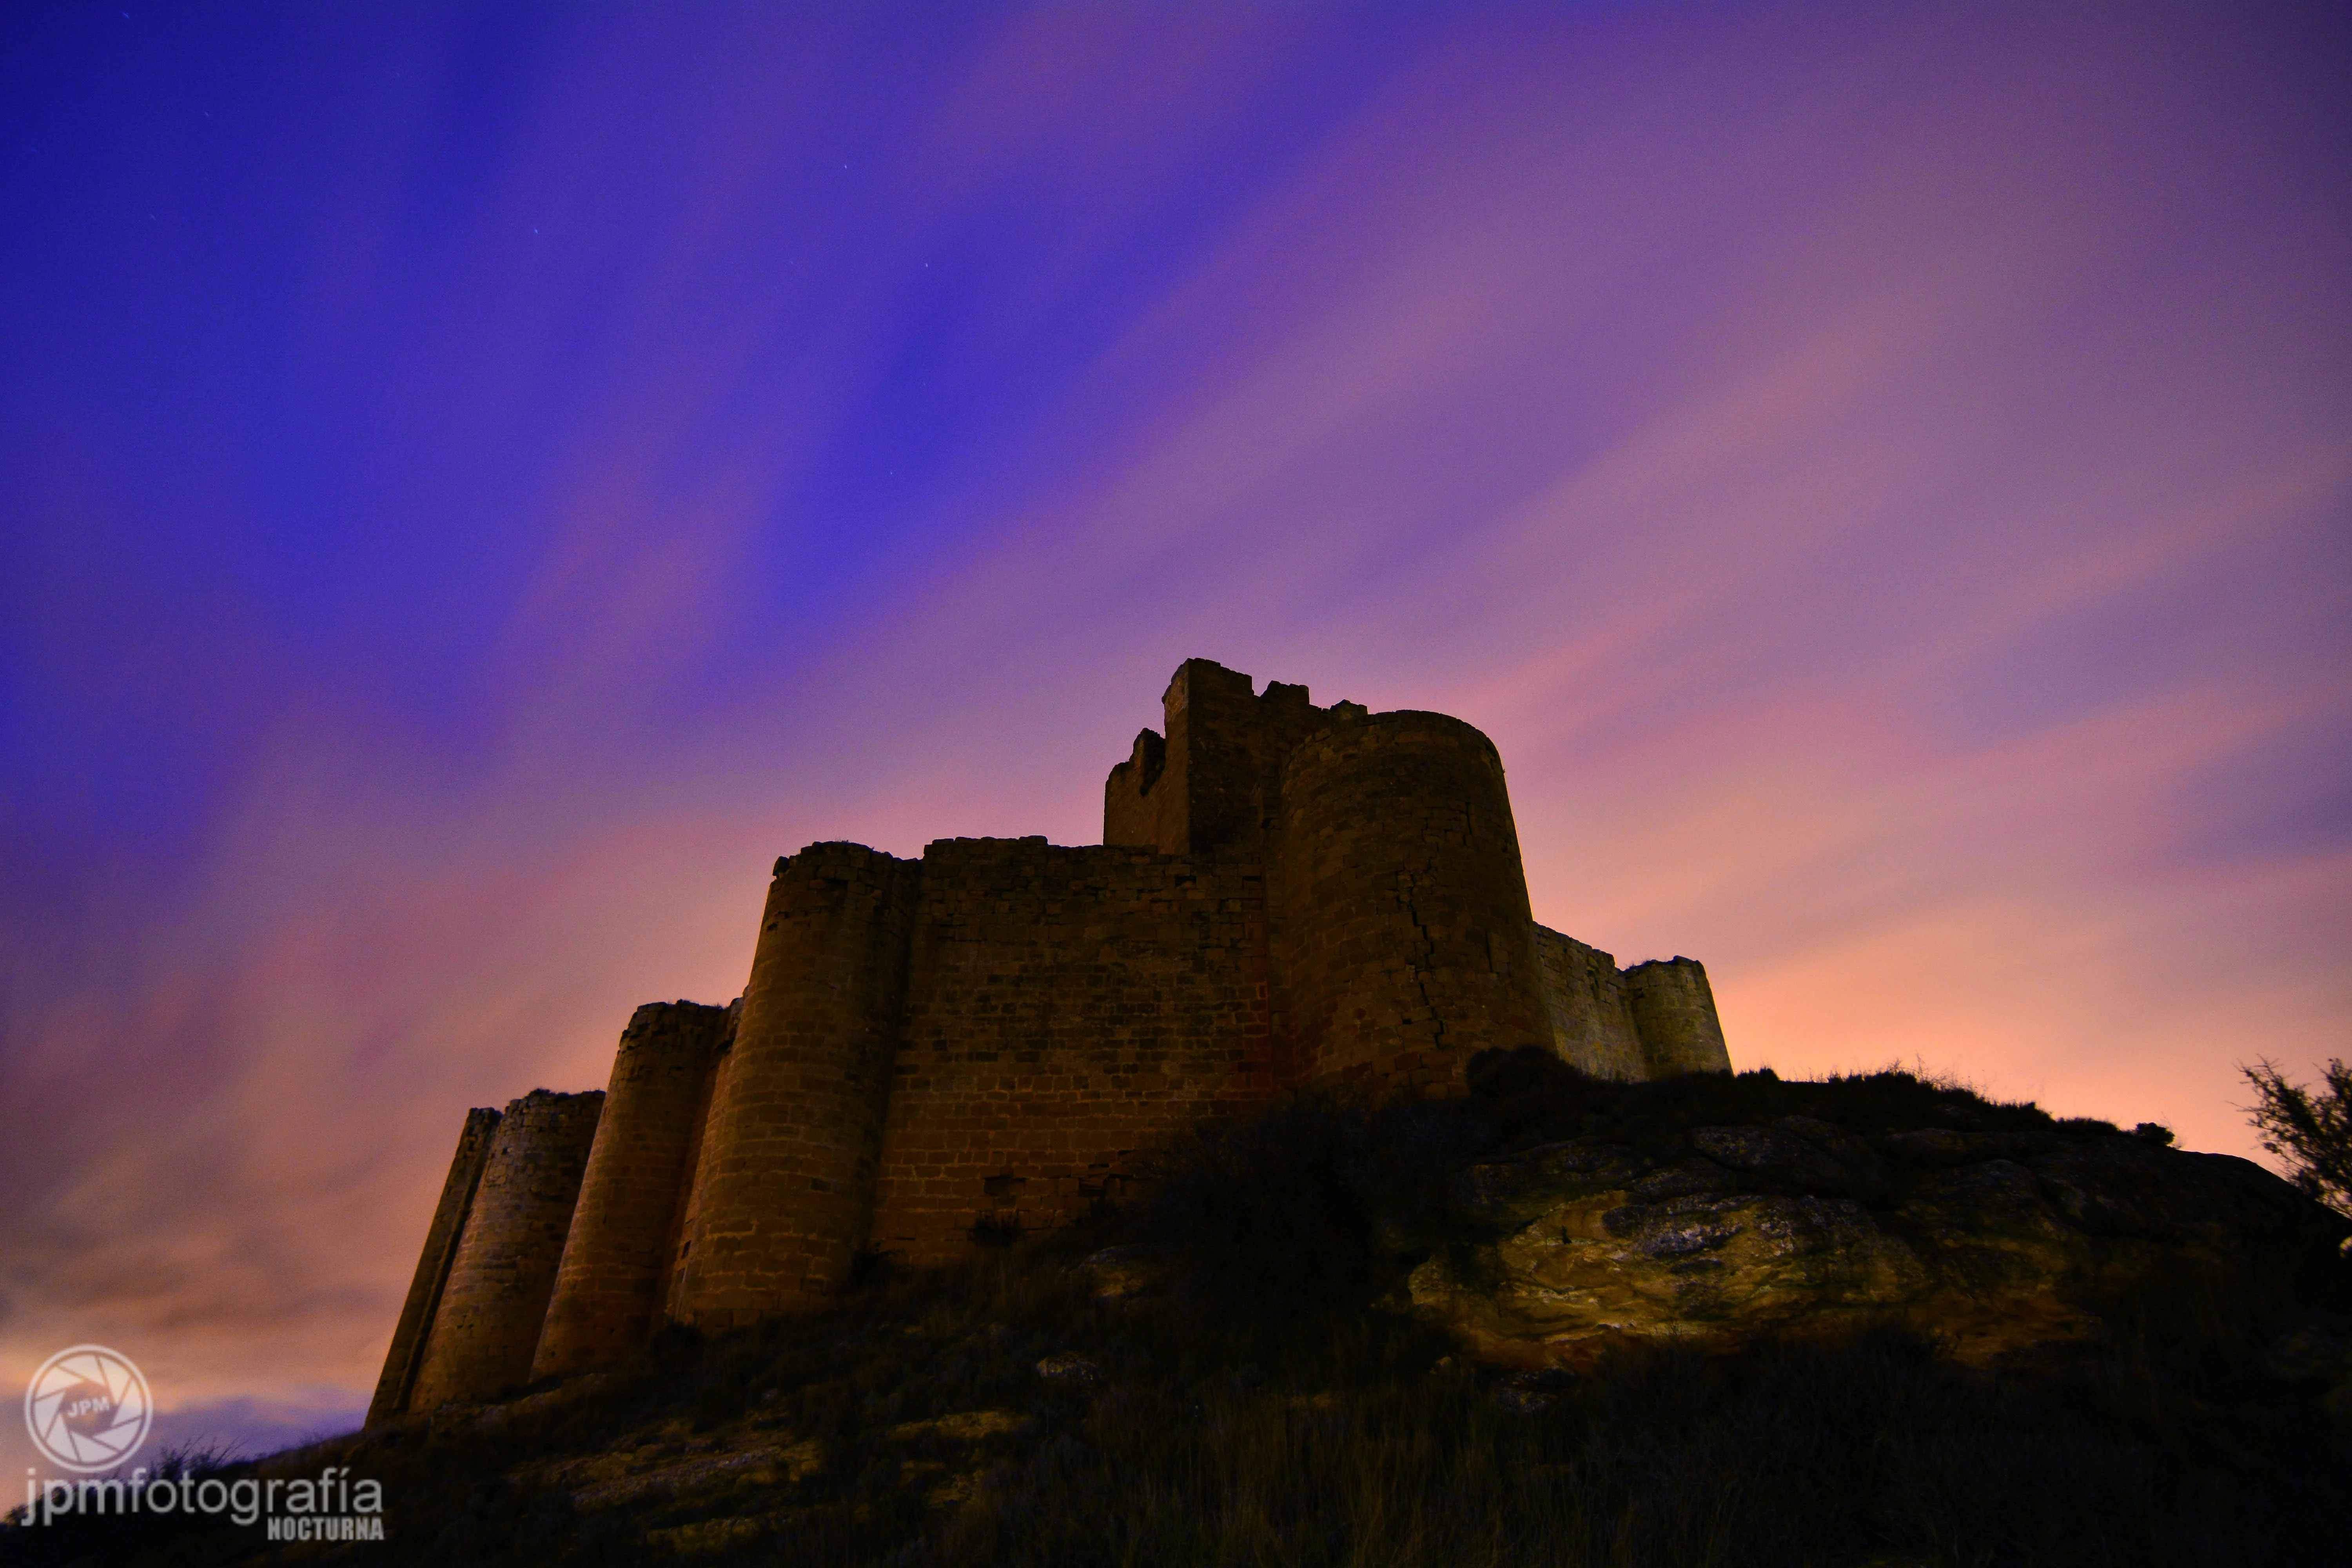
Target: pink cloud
x,y
1727,423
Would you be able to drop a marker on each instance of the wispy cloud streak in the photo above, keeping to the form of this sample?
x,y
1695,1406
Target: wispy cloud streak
x,y
1882,478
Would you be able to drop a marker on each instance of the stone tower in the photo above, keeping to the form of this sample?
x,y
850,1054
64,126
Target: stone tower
x,y
612,1286
485,1326
786,1180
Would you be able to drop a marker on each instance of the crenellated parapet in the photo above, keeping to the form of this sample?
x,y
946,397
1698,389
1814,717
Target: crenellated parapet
x,y
992,1038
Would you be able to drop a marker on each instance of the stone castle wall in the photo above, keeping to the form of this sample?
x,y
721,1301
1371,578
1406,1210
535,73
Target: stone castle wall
x,y
610,1288
417,1313
988,1039
786,1175
485,1326
1405,945
1584,998
1067,1009
1673,1013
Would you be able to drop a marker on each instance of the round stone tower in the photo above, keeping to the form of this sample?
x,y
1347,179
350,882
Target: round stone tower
x,y
400,1363
1403,938
784,1184
1674,1014
487,1325
608,1290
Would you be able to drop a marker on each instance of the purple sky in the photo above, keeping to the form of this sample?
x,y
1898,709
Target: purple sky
x,y
479,484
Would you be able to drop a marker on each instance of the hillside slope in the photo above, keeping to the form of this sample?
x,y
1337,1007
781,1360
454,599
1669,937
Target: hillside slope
x,y
1869,1320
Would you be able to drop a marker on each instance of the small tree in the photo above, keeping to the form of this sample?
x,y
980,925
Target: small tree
x,y
2310,1130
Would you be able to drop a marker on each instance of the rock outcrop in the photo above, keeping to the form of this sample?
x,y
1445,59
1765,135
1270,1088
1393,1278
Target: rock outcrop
x,y
1991,1241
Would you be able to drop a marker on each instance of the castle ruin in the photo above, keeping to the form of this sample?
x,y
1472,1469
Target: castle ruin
x,y
986,1040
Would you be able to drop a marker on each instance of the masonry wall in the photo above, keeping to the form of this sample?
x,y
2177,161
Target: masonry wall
x,y
1591,1020
1401,933
786,1173
1674,1011
686,1216
1213,785
486,1323
1066,1008
425,1289
609,1288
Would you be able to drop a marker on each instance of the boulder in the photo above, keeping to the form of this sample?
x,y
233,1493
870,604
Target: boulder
x,y
1992,1242
1071,1368
1124,1273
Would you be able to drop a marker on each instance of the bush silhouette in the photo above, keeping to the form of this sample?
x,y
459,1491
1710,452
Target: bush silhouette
x,y
2310,1130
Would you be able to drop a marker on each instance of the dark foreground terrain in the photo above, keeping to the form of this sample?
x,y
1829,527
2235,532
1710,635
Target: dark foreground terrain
x,y
1234,1373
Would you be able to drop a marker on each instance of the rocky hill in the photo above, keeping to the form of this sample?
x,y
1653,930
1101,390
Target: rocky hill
x,y
1870,1320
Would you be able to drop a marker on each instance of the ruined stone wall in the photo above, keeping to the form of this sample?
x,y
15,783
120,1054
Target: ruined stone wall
x,y
1133,800
785,1179
1066,1009
1401,932
425,1289
609,1288
486,1323
1210,786
1674,1011
1591,1020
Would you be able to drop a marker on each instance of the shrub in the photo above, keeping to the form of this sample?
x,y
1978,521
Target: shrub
x,y
2310,1129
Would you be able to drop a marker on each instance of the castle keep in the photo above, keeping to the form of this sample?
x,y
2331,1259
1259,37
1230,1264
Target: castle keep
x,y
986,1039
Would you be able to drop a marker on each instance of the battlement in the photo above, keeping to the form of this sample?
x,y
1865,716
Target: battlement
x,y
1210,785
988,1039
